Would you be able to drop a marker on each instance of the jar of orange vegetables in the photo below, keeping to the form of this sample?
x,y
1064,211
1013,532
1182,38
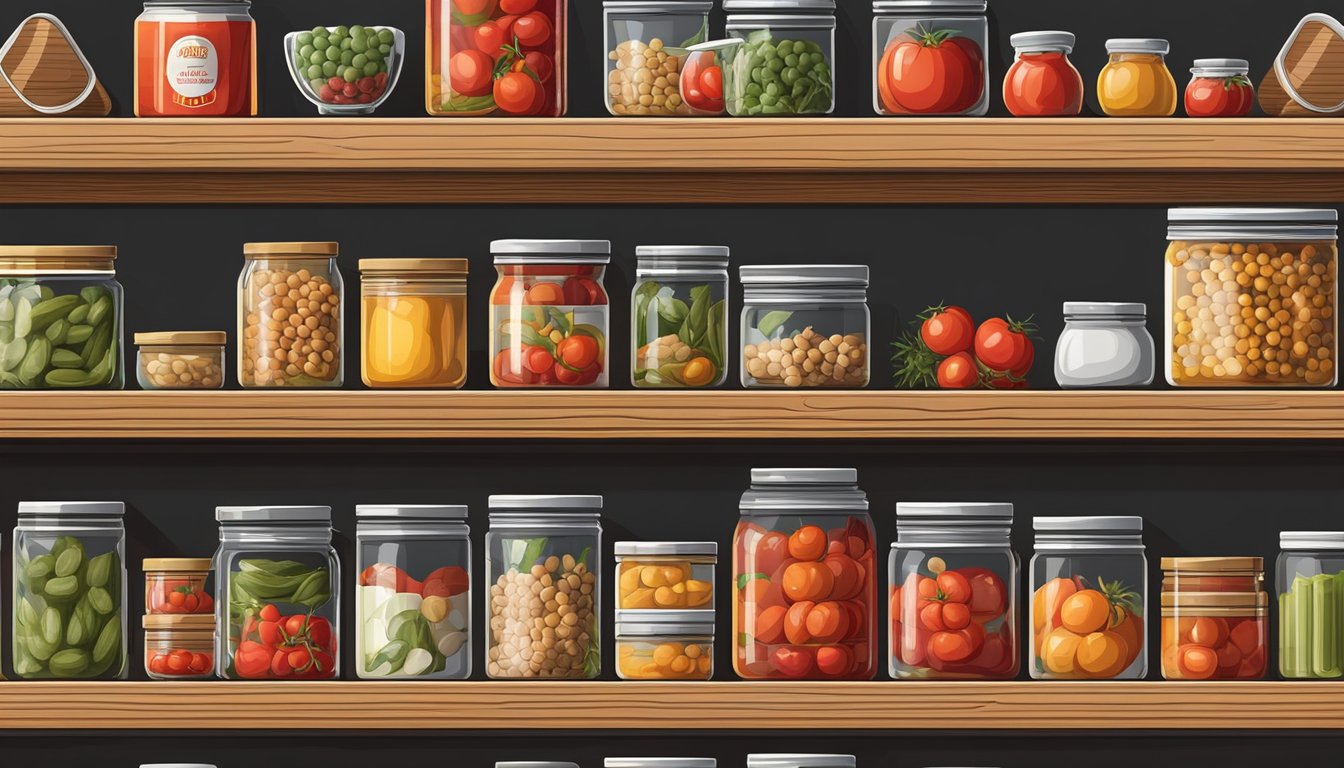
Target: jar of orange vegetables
x,y
1214,618
414,323
1135,81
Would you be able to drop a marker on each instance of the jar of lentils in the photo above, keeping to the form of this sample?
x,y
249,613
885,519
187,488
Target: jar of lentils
x,y
1251,298
289,316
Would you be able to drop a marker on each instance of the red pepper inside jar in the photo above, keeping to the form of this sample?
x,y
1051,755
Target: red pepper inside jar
x,y
1219,88
196,59
1043,82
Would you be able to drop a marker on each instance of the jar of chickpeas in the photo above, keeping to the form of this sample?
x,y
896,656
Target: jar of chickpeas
x,y
805,326
652,68
1251,298
181,359
289,316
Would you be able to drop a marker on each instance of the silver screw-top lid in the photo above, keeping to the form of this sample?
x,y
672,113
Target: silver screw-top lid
x,y
296,514
667,549
810,489
1311,540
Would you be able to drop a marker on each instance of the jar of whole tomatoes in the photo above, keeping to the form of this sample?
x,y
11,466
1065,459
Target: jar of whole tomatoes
x,y
1042,82
1219,88
1310,585
654,67
932,57
504,58
1135,81
196,58
1214,618
954,592
549,313
804,578
176,585
290,316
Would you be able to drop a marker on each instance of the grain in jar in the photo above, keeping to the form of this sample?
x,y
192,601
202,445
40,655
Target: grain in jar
x,y
805,326
289,316
181,359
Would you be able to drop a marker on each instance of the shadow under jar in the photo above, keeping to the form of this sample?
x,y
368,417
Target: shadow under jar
x,y
413,323
289,316
805,326
679,316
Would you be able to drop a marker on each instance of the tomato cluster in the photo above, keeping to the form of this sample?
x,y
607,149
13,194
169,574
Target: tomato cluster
x,y
941,624
553,348
926,71
1213,648
273,646
178,596
950,352
178,662
505,49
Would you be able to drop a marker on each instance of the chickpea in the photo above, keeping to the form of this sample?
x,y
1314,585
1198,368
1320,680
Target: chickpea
x,y
808,359
643,80
181,367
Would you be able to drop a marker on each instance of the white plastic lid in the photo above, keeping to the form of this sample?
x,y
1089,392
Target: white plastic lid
x,y
411,511
801,760
1311,540
1049,40
273,514
1138,45
1105,309
73,508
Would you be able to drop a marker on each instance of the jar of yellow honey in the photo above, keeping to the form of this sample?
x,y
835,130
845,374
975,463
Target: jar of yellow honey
x,y
414,322
1136,81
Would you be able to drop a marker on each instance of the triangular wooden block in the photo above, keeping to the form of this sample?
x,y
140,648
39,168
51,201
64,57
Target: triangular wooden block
x,y
43,73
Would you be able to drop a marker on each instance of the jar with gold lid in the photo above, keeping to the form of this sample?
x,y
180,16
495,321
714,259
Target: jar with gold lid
x,y
289,316
1214,618
413,325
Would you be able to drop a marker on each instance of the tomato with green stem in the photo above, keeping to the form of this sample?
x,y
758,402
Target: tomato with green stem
x,y
1219,97
1005,346
947,330
931,72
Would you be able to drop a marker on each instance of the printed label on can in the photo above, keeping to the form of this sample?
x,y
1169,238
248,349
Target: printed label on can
x,y
193,71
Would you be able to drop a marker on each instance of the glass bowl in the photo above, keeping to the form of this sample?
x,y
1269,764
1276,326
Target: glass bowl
x,y
354,81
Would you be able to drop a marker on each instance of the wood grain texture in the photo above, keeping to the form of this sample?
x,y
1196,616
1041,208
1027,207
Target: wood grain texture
x,y
699,415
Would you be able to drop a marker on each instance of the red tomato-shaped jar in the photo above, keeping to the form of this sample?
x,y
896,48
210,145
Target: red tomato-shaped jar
x,y
1219,88
931,57
1043,82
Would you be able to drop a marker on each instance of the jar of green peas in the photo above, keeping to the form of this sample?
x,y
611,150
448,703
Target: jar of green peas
x,y
785,63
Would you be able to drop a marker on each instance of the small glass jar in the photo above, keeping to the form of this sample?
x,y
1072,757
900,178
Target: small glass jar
x,y
413,325
1105,344
805,326
666,575
181,359
1136,81
1214,618
413,598
176,585
909,36
954,592
196,58
60,317
549,314
277,594
179,647
786,62
1310,583
70,590
1219,88
665,645
289,316
1251,299
647,43
679,316
1089,579
784,760
1042,82
467,42
555,541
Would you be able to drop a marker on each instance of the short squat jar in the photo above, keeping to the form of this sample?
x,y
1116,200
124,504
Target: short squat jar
x,y
785,64
665,645
679,317
666,575
1105,344
805,326
177,585
1089,582
181,359
179,647
1310,583
910,34
1215,623
413,324
1135,81
289,316
1042,82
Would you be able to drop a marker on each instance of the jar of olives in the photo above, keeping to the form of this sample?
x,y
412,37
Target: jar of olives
x,y
805,326
289,316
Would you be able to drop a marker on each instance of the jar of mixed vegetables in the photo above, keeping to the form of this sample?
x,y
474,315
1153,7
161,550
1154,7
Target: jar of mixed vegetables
x,y
289,316
1135,81
505,58
277,594
665,645
179,647
679,316
1310,583
666,575
785,64
413,325
805,326
1214,618
932,57
413,602
653,66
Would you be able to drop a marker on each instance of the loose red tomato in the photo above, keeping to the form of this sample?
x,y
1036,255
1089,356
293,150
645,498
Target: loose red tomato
x,y
269,613
933,72
702,83
577,351
470,72
958,372
540,64
1219,97
517,6
532,29
490,38
1005,345
252,660
516,93
947,330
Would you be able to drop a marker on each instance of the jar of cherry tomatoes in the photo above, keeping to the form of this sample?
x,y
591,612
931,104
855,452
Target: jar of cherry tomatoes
x,y
179,647
954,592
932,57
196,58
1042,81
1214,618
504,58
1219,88
177,585
804,578
549,313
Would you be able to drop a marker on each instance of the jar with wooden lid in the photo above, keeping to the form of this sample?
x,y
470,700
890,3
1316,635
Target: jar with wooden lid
x,y
1214,618
289,316
180,359
179,647
176,585
413,325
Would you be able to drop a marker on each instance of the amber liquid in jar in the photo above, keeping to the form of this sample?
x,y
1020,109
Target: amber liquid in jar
x,y
415,341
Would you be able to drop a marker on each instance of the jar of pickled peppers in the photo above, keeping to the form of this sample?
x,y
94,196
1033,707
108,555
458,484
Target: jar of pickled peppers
x,y
1214,618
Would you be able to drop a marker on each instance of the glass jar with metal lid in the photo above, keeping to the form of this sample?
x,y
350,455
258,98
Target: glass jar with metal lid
x,y
413,598
1219,88
196,58
1135,81
70,590
805,326
1214,618
179,647
804,578
1310,585
786,62
413,324
1089,579
277,594
1251,298
679,316
1105,344
905,30
653,68
1042,82
553,542
181,359
665,644
666,575
289,316
549,313
60,317
954,592
801,760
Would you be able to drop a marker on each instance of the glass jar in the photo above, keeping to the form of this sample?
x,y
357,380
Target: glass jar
x,y
179,647
549,313
60,317
804,578
1214,618
679,316
805,326
70,590
277,594
666,575
1105,344
784,760
647,44
181,359
1042,82
176,585
1219,88
786,62
1310,582
1251,298
413,601
413,328
910,36
1089,579
289,316
465,49
664,645
1136,81
954,592
555,541
196,58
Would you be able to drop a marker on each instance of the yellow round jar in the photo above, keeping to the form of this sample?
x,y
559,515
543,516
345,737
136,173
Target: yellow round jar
x,y
1136,81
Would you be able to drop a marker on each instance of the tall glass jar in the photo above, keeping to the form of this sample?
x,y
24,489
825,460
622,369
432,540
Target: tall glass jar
x,y
1135,81
804,578
786,62
1089,581
468,41
289,316
679,316
70,590
805,326
1105,344
1310,583
60,317
910,36
650,71
413,325
554,542
277,594
954,592
1215,621
1251,299
549,314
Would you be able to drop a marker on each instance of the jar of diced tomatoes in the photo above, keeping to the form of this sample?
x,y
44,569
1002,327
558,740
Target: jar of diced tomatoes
x,y
804,578
1219,88
502,58
931,57
1214,618
1042,81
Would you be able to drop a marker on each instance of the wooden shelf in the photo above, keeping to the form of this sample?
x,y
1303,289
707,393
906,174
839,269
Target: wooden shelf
x,y
866,160
614,415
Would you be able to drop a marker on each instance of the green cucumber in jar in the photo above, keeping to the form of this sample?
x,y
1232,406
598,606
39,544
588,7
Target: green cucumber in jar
x,y
71,662
34,361
108,646
51,310
78,315
101,569
78,334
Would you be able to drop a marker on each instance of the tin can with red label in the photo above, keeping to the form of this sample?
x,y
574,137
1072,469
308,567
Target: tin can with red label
x,y
196,59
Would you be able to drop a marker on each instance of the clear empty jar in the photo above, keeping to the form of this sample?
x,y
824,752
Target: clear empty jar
x,y
179,647
650,71
1310,584
289,316
679,316
665,645
910,36
805,326
667,575
785,64
181,359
